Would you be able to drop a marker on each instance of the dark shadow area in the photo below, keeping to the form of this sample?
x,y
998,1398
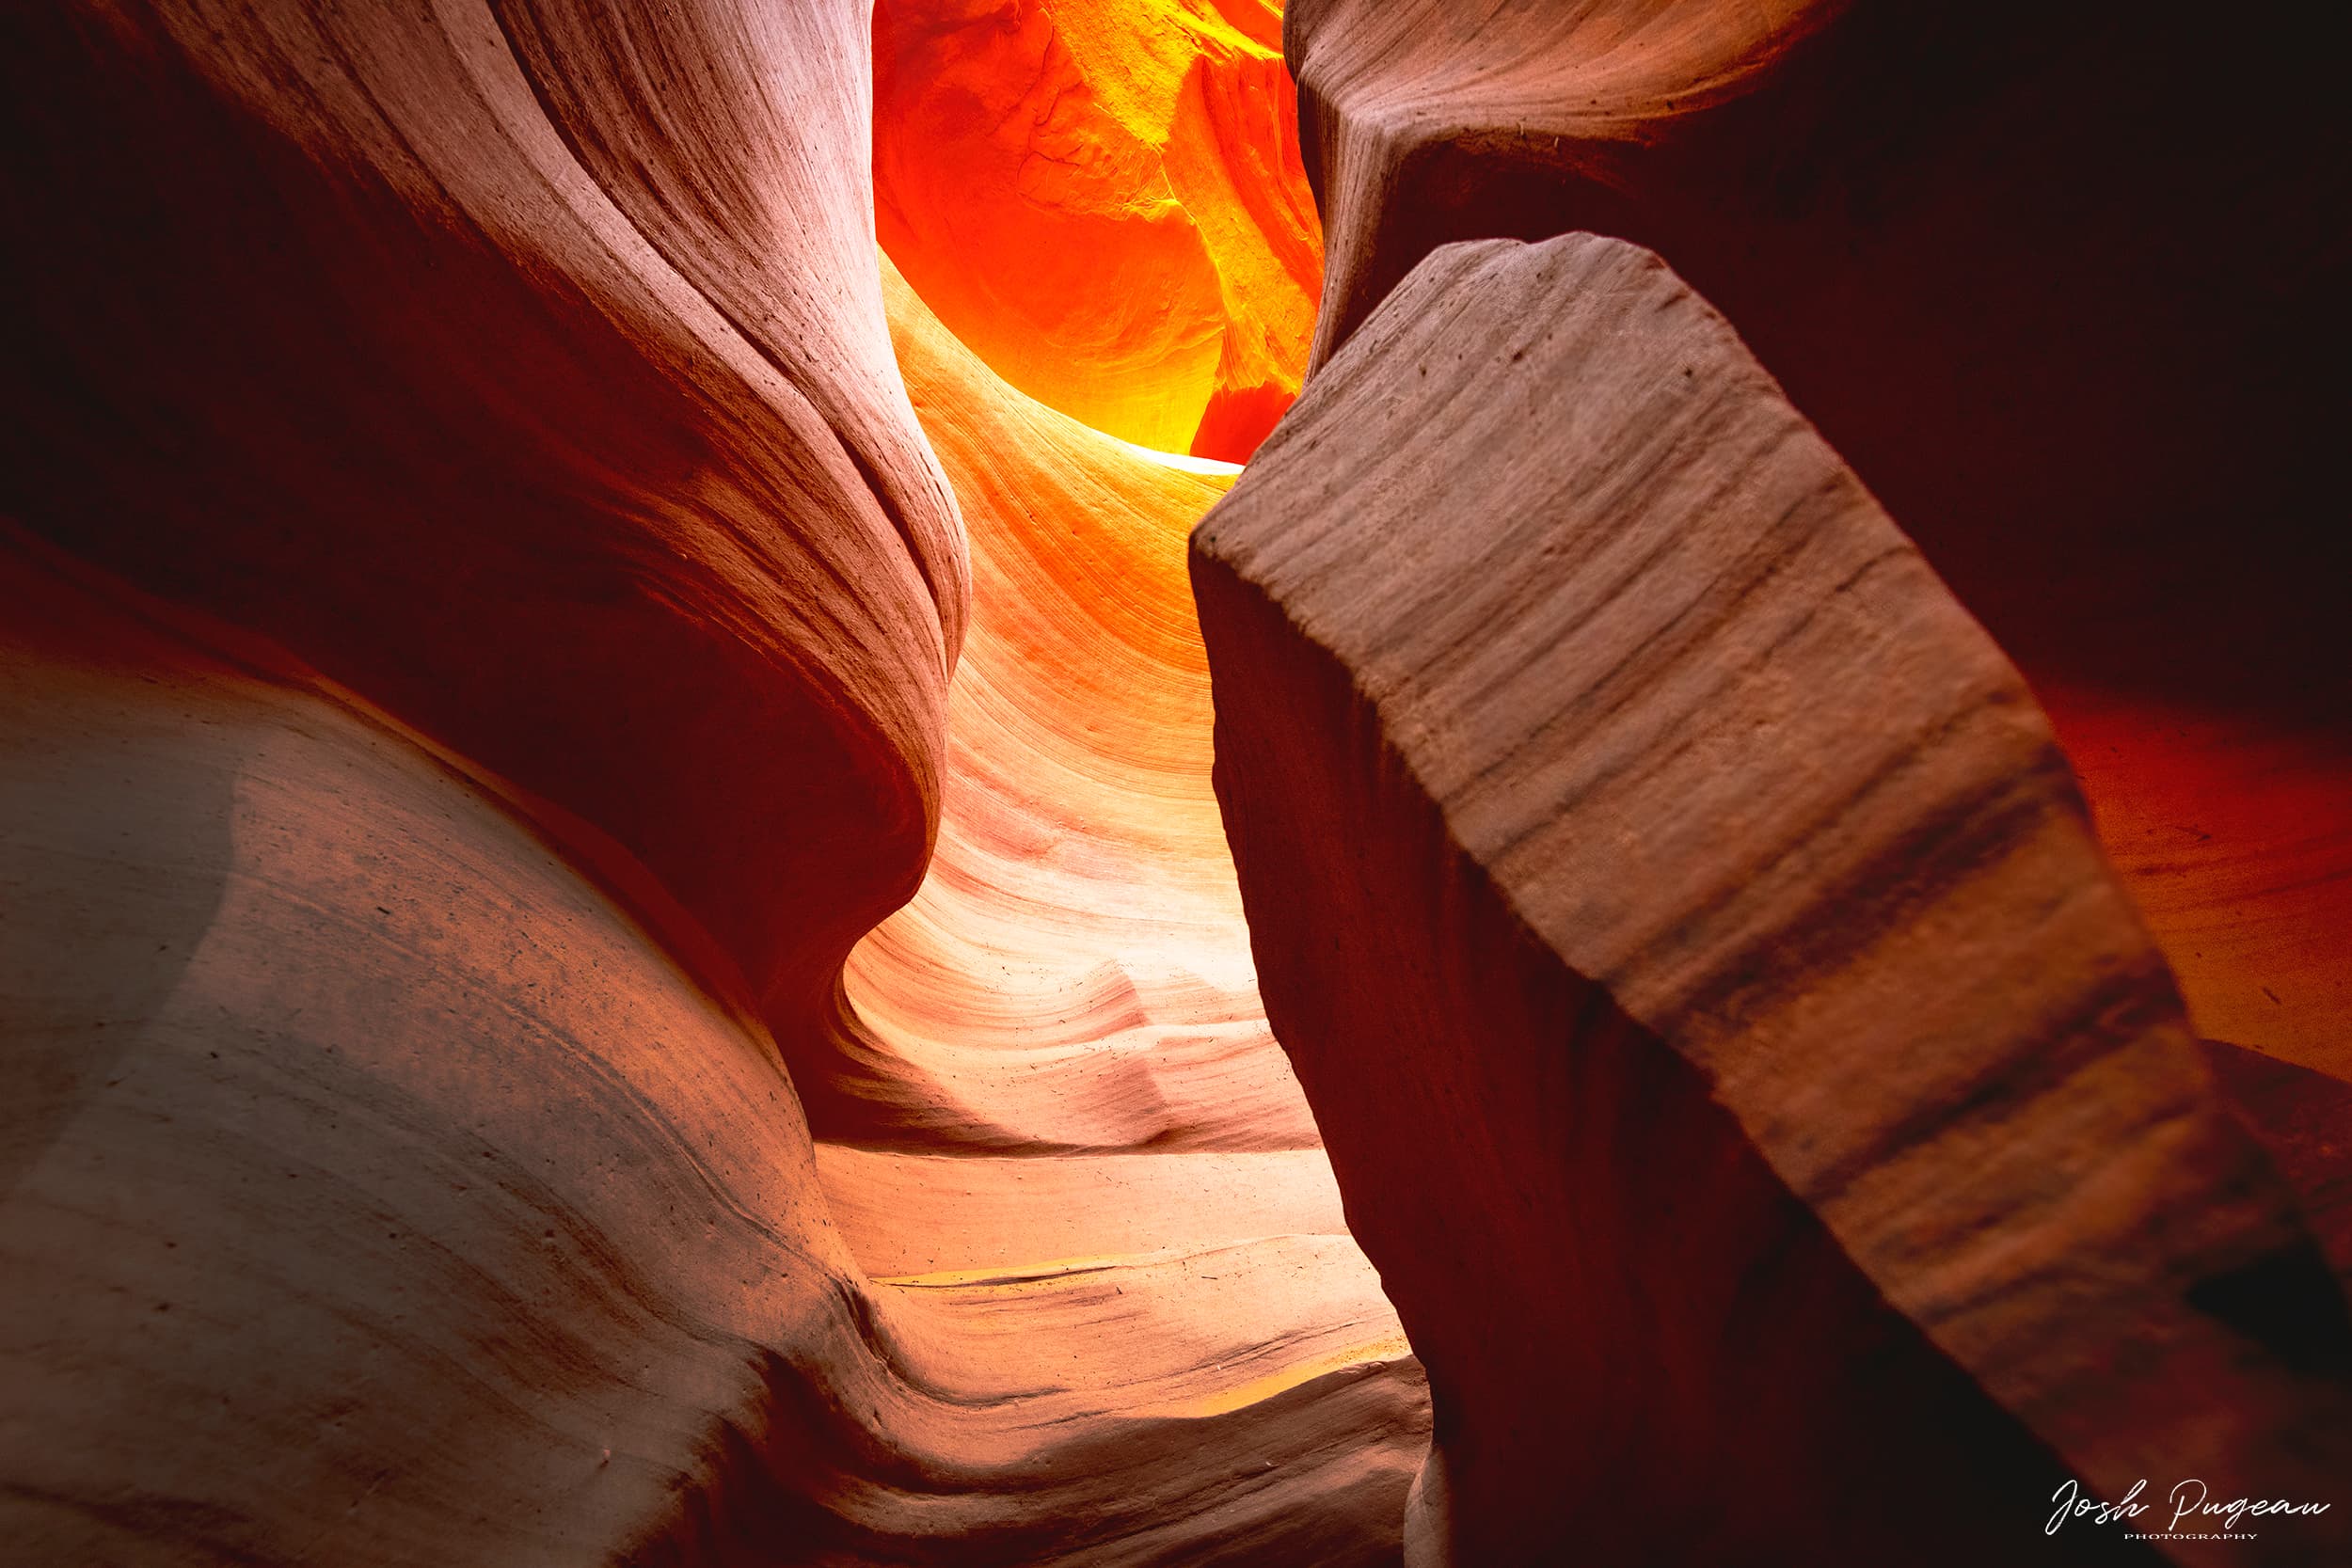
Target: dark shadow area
x,y
1642,1347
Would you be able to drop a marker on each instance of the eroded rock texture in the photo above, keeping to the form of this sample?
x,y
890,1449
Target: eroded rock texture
x,y
1054,1065
2059,283
480,614
346,1221
616,945
330,331
383,1194
1104,199
1723,1022
2304,1118
1075,971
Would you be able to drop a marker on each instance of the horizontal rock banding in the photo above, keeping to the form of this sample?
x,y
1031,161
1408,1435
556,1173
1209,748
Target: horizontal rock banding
x,y
2058,285
1650,731
530,682
484,558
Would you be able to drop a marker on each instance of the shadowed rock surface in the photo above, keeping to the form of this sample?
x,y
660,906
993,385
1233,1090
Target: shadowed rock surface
x,y
385,1194
2304,1118
2061,283
480,612
616,946
328,332
1647,858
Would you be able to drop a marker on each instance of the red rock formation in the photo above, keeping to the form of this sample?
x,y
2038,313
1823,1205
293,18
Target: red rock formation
x,y
597,485
533,684
618,947
1104,198
2056,280
2304,1120
1055,1065
1757,1023
385,1194
1074,972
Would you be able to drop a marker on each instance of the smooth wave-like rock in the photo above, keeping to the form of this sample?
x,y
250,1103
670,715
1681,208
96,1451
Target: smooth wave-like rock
x,y
1779,1098
2059,282
379,1191
1104,198
343,1222
332,331
1057,1110
616,941
1074,972
477,658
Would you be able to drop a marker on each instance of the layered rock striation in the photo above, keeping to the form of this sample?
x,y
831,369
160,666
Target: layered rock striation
x,y
481,612
2058,283
617,944
1754,1086
329,331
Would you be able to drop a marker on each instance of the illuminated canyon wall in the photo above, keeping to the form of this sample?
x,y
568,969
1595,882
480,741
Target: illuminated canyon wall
x,y
1104,199
483,608
645,922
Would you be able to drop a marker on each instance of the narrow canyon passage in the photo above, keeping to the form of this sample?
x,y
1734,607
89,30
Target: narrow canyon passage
x,y
1065,1124
1171,784
1056,1073
551,664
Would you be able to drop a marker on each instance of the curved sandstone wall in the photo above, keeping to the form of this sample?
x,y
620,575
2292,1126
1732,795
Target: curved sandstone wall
x,y
640,922
1104,199
2051,282
481,618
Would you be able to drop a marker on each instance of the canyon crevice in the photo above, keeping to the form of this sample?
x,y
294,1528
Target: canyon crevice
x,y
775,791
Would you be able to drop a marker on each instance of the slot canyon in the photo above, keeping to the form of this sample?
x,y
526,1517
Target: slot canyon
x,y
1376,783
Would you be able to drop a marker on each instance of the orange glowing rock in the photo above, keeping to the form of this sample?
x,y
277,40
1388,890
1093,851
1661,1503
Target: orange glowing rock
x,y
618,946
474,657
1075,970
1104,199
2232,828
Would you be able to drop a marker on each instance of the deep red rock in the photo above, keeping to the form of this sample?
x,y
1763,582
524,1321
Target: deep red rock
x,y
330,332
